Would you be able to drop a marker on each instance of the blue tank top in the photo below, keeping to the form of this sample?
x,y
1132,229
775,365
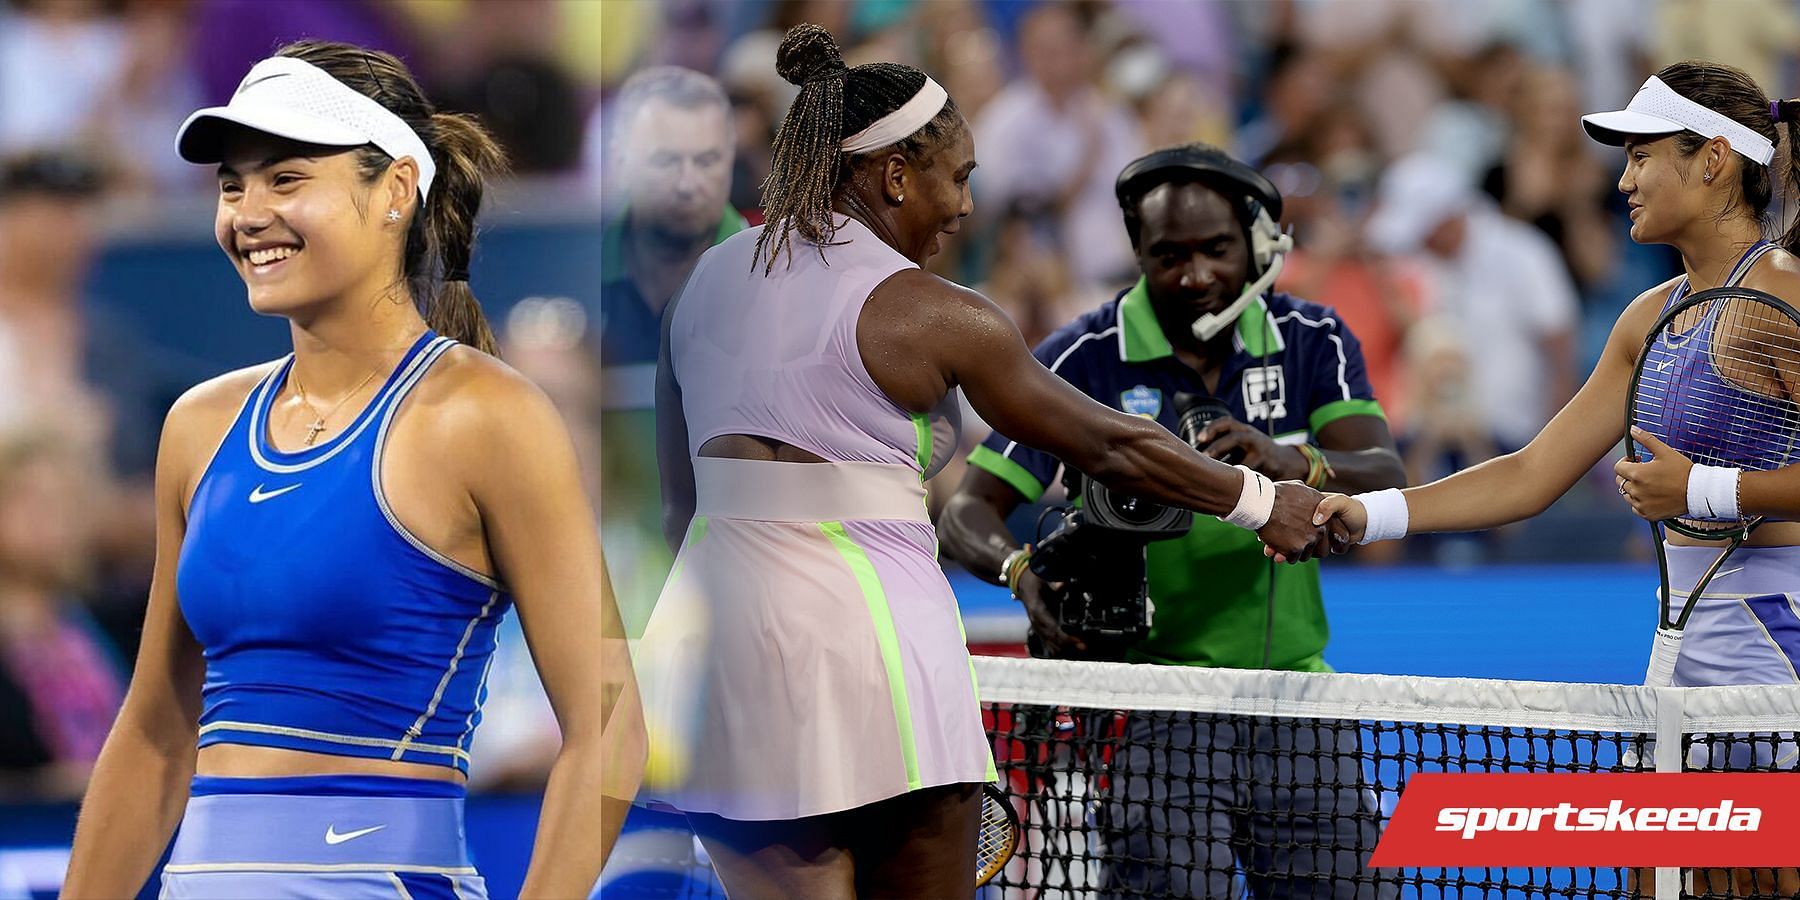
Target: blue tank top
x,y
327,626
1753,434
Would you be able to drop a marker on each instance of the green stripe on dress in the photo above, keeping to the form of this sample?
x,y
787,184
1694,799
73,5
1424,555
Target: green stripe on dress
x,y
885,636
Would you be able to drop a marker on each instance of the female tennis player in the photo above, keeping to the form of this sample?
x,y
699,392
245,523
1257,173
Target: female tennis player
x,y
806,681
340,532
1698,138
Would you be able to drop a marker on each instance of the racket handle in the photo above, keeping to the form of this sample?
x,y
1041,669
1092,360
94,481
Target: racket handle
x,y
1663,654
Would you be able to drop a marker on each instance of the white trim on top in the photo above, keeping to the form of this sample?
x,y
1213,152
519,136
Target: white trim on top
x,y
405,386
437,696
1343,361
342,441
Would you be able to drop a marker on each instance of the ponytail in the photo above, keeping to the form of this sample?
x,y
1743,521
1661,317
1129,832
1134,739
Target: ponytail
x,y
441,239
803,171
834,102
467,156
1787,118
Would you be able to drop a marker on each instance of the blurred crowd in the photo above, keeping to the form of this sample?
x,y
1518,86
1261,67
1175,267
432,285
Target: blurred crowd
x,y
1443,198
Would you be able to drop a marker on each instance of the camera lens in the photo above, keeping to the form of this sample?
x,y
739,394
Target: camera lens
x,y
1134,510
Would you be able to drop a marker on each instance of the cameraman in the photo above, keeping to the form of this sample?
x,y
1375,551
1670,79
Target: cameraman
x,y
1201,321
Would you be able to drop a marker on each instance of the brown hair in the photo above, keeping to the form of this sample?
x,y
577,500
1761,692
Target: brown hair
x,y
835,101
1728,91
441,239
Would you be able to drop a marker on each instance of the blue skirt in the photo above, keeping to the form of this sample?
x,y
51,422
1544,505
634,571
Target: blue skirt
x,y
334,836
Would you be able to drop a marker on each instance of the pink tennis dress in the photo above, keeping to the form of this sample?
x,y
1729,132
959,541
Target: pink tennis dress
x,y
806,655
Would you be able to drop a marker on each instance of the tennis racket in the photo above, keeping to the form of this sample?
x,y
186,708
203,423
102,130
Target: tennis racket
x,y
1717,383
999,836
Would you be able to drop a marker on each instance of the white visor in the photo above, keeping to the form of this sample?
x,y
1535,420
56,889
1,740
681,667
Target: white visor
x,y
297,100
901,123
1658,110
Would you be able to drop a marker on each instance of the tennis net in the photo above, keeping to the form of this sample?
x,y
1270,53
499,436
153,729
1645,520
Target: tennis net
x,y
1157,781
1165,781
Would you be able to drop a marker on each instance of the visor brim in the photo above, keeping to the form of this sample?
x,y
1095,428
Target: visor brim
x,y
1616,127
202,137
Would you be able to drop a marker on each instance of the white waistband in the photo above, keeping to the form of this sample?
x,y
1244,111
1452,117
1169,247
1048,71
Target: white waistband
x,y
807,492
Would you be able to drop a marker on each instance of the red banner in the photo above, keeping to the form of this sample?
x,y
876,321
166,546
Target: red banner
x,y
1627,819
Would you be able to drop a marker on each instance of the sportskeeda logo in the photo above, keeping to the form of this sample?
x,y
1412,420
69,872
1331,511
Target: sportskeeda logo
x,y
1615,816
1630,819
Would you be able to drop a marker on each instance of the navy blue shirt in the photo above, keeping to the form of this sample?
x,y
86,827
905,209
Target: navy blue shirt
x,y
1295,369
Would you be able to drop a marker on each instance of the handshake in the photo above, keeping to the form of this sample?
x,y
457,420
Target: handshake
x,y
1306,524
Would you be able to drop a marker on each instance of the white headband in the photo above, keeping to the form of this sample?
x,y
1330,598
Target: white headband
x,y
295,99
901,123
1657,109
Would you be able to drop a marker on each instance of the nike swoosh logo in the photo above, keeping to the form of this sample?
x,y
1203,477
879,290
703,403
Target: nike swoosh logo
x,y
1728,572
259,495
333,838
248,84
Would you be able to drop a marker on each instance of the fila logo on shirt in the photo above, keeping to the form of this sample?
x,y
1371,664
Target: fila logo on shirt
x,y
1265,393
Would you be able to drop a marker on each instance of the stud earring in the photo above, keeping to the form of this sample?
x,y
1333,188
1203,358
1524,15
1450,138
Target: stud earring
x,y
1708,178
394,214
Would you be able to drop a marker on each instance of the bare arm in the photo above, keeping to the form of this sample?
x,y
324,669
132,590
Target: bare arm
x,y
973,525
140,782
1362,455
537,521
672,461
1523,484
1359,448
963,339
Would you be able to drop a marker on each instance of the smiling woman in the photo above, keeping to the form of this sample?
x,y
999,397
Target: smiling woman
x,y
1699,139
388,473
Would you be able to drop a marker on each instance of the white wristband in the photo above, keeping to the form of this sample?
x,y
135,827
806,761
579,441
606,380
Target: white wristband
x,y
1256,502
1387,515
1712,492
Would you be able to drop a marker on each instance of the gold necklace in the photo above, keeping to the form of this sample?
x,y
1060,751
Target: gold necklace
x,y
318,422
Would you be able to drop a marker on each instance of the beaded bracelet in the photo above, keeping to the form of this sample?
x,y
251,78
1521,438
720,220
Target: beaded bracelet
x,y
1318,468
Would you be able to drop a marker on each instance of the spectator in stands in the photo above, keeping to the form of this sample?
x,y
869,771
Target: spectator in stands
x,y
61,682
1295,92
71,358
1053,141
1499,281
106,386
1548,178
671,151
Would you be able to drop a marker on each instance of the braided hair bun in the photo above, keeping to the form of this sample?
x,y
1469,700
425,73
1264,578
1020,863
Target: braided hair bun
x,y
809,52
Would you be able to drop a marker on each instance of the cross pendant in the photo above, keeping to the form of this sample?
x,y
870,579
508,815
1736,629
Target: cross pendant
x,y
312,431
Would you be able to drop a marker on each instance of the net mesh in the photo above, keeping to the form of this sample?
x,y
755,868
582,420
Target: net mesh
x,y
1164,781
1140,781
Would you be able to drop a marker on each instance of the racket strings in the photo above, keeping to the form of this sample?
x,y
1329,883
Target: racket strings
x,y
1729,399
998,837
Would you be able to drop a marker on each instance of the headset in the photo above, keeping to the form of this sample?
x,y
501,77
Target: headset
x,y
1269,244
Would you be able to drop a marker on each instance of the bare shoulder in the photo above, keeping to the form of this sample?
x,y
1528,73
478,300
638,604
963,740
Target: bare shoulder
x,y
933,303
203,413
472,401
221,395
1633,326
1653,299
1779,274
